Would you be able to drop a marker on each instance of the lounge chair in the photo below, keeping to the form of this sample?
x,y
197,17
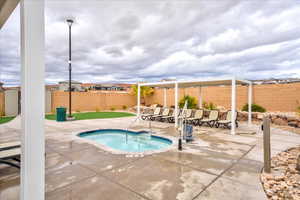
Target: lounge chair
x,y
171,118
187,114
153,117
148,115
211,120
198,115
165,113
226,123
9,145
9,155
167,118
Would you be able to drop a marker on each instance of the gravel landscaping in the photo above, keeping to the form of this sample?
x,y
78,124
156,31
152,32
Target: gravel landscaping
x,y
284,181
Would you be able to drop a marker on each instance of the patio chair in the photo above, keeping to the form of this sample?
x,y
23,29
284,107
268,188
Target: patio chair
x,y
148,115
171,119
187,115
9,155
226,123
9,145
165,113
198,115
156,114
211,120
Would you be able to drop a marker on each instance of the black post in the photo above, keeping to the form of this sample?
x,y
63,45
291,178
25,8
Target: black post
x,y
69,21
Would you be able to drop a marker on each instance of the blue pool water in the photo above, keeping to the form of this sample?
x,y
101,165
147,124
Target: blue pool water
x,y
136,141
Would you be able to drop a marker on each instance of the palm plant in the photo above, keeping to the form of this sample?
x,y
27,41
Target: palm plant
x,y
145,92
191,102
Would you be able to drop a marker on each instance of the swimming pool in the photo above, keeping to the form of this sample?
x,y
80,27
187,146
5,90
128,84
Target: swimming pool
x,y
127,141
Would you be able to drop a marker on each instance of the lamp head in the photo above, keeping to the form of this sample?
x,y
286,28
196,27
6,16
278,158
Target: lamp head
x,y
70,22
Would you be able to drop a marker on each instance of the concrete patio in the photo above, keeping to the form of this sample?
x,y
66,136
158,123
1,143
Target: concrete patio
x,y
216,165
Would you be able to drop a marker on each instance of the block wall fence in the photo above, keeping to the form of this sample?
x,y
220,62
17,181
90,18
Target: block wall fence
x,y
92,101
274,97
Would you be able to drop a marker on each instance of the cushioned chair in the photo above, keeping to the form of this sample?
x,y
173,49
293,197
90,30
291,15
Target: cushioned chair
x,y
211,120
226,123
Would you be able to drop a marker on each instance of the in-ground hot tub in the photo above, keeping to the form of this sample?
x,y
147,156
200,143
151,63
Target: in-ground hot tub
x,y
127,141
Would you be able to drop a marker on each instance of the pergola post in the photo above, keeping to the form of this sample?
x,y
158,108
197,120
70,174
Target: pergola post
x,y
165,97
233,105
200,99
33,100
138,101
176,104
250,104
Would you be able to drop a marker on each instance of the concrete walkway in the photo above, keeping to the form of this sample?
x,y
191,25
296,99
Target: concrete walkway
x,y
216,165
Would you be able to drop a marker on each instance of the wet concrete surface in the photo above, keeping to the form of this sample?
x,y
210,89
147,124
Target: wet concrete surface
x,y
216,165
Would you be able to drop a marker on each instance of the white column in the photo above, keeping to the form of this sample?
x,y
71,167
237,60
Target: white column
x,y
200,99
165,97
33,100
233,105
176,104
250,104
139,101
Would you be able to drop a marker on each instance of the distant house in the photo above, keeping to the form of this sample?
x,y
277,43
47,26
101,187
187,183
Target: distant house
x,y
276,81
108,87
75,86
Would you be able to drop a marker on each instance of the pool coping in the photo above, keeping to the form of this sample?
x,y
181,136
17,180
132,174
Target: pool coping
x,y
172,146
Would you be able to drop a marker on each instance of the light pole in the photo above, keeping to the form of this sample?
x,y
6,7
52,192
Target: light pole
x,y
70,22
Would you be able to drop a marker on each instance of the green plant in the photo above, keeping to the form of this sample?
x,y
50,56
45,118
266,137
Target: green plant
x,y
191,102
209,106
124,107
78,111
145,92
97,109
112,108
254,108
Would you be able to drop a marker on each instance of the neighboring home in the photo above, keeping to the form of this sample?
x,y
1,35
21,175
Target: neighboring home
x,y
75,86
1,87
52,87
276,81
108,87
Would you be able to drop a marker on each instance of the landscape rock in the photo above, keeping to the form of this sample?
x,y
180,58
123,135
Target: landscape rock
x,y
284,180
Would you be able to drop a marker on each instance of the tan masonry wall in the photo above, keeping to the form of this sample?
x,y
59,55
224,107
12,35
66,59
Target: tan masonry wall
x,y
2,100
92,101
273,97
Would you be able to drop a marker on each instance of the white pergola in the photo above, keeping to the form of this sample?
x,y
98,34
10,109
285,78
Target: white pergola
x,y
201,83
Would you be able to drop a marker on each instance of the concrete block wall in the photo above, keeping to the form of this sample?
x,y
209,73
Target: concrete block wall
x,y
273,97
92,101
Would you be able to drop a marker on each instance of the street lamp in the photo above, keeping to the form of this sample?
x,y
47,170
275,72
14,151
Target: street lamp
x,y
70,22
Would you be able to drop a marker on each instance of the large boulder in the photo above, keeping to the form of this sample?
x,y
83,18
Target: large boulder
x,y
280,122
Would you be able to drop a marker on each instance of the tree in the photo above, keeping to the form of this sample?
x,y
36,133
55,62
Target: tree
x,y
145,92
191,102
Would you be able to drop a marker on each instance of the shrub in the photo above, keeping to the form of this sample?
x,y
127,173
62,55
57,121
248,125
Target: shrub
x,y
191,101
255,108
209,106
112,108
124,107
298,110
78,111
97,109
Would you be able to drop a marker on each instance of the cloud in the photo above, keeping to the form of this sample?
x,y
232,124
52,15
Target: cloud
x,y
129,41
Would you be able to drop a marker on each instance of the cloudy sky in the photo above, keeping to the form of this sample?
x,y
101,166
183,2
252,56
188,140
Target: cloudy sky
x,y
129,41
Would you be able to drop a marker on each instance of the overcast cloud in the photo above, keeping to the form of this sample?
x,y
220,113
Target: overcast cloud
x,y
130,41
